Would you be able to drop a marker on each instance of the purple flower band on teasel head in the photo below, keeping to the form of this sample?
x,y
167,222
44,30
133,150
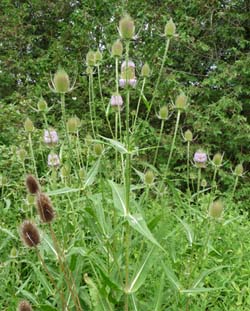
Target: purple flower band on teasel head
x,y
131,82
200,157
50,137
116,101
130,64
53,160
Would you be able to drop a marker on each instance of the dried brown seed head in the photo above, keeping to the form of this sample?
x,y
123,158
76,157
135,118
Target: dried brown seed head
x,y
32,184
29,234
45,208
24,306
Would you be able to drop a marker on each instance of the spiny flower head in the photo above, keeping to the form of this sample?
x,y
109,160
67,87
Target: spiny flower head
x,y
42,105
217,159
32,184
53,159
200,158
29,234
50,137
145,71
116,101
90,59
170,29
127,27
98,57
216,209
28,125
181,101
61,81
117,49
24,305
45,208
238,171
163,113
188,136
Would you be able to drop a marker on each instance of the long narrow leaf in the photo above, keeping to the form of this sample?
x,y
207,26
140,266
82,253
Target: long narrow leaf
x,y
172,278
118,197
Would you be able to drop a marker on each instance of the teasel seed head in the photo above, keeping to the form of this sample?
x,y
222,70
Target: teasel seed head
x,y
181,102
98,149
216,209
42,105
90,59
203,183
32,184
98,57
149,177
117,49
65,171
170,29
188,135
61,81
217,159
238,171
24,305
127,27
145,71
22,154
72,124
45,208
29,234
163,113
28,125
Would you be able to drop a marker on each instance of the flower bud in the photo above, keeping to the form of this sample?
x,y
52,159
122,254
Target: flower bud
x,y
22,154
30,199
29,234
149,177
82,173
65,171
239,170
13,252
117,49
24,306
203,183
89,70
216,209
126,27
61,81
88,140
181,102
28,125
98,149
42,105
217,159
145,71
53,160
90,59
188,135
98,57
163,113
170,28
72,124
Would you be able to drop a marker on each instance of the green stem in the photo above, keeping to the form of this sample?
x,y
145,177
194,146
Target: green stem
x,y
138,105
159,77
235,185
212,186
116,75
90,108
32,154
158,144
127,184
173,141
64,116
188,164
93,99
103,104
198,182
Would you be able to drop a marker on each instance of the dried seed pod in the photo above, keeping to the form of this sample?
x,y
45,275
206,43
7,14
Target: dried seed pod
x,y
29,234
32,184
45,208
24,305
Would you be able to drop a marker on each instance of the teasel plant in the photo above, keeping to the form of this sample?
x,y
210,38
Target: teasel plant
x,y
31,237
